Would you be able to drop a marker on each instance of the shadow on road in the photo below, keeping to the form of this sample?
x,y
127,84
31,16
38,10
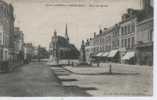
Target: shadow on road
x,y
68,80
114,73
88,88
78,90
107,73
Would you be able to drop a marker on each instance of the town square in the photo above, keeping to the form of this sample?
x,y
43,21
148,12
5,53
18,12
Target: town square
x,y
76,48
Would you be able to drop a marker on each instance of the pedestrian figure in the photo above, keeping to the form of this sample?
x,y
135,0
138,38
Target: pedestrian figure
x,y
110,69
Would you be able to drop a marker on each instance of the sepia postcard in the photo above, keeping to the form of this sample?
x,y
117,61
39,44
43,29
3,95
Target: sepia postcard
x,y
76,48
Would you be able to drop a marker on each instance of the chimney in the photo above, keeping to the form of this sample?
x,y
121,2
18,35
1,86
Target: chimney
x,y
100,31
105,29
124,17
130,12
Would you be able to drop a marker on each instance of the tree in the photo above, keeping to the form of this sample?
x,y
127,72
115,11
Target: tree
x,y
42,53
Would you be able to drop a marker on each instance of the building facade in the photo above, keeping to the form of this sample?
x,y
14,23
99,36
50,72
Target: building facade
x,y
83,59
144,43
7,32
4,56
129,41
128,38
18,45
28,52
89,50
6,29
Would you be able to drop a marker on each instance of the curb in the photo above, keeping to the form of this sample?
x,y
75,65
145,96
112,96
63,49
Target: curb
x,y
103,73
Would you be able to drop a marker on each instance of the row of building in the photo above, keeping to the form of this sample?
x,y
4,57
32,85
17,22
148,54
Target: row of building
x,y
128,41
13,50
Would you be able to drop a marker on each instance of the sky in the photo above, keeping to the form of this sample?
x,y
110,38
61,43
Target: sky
x,y
39,18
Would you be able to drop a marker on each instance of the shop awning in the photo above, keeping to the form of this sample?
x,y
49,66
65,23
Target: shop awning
x,y
112,53
105,54
128,55
100,54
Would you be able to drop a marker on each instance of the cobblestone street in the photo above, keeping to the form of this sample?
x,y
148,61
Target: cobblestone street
x,y
35,79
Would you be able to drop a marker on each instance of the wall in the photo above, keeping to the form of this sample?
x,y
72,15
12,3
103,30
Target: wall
x,y
145,31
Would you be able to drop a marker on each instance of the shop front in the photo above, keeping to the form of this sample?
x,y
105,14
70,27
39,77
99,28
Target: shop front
x,y
145,54
129,58
114,56
4,62
105,56
99,57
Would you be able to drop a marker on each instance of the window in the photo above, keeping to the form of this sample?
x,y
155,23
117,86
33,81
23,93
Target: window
x,y
0,38
122,43
122,31
150,35
5,55
128,29
4,39
118,43
1,54
1,11
128,42
112,44
125,43
125,30
133,28
133,41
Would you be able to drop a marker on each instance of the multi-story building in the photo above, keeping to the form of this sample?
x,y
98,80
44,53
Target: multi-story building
x,y
18,44
130,40
35,52
1,40
82,59
3,45
28,52
144,43
128,37
114,44
7,24
96,42
96,45
108,39
134,28
116,37
89,50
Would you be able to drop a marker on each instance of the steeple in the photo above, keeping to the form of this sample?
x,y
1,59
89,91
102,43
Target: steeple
x,y
66,33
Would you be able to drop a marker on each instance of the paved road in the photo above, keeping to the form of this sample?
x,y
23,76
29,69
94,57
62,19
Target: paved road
x,y
35,79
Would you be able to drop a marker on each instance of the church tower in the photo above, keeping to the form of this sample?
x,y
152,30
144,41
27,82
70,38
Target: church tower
x,y
66,33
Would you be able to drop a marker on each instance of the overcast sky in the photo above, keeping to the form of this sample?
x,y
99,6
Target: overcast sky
x,y
39,18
